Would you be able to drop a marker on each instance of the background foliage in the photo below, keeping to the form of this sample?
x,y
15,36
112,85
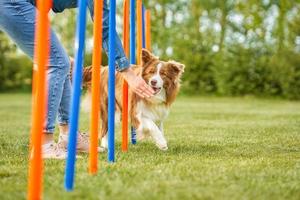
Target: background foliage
x,y
229,47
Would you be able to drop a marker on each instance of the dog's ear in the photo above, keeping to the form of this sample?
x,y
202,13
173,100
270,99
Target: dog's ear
x,y
146,56
178,68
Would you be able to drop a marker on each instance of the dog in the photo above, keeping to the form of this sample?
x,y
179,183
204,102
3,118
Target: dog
x,y
146,114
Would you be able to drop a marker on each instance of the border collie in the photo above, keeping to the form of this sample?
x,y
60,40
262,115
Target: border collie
x,y
146,114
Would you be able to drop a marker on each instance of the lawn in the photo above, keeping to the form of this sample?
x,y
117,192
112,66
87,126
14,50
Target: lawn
x,y
219,148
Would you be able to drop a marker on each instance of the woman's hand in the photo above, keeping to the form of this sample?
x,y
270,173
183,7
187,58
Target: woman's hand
x,y
137,84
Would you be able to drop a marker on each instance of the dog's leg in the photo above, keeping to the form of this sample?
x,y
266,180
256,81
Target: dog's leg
x,y
103,124
104,142
155,132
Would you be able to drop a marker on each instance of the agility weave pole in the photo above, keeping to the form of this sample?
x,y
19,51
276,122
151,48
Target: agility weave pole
x,y
143,27
132,52
111,81
148,29
139,10
41,55
96,63
125,84
75,100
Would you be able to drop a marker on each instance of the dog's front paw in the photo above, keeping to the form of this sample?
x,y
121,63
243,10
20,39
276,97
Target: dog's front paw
x,y
162,146
165,148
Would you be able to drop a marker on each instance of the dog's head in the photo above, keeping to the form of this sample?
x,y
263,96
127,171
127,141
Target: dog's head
x,y
163,77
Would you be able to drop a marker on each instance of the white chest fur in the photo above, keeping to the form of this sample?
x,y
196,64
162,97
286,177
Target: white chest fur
x,y
156,112
151,117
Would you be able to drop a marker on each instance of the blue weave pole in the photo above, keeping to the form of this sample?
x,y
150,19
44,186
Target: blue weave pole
x,y
75,101
143,27
111,81
132,52
132,32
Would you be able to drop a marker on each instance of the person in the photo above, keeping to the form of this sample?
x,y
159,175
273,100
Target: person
x,y
17,19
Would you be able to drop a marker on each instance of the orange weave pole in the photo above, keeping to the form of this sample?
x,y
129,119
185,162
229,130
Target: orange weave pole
x,y
139,31
125,85
39,100
96,63
148,30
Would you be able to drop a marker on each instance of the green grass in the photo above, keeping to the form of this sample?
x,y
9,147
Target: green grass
x,y
219,148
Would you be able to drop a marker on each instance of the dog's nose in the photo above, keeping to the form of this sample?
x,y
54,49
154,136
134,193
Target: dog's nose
x,y
153,82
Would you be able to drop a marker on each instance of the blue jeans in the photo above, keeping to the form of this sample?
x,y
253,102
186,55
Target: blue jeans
x,y
17,19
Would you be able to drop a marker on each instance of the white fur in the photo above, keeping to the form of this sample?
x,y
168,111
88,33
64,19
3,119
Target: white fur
x,y
157,77
151,119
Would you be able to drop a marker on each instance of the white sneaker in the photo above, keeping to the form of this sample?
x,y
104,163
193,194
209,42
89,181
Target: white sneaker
x,y
82,142
53,151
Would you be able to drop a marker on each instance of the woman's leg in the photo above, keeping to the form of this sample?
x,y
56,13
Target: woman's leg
x,y
17,19
63,111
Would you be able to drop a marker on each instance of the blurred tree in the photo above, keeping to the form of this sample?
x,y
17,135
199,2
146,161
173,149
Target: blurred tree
x,y
5,49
